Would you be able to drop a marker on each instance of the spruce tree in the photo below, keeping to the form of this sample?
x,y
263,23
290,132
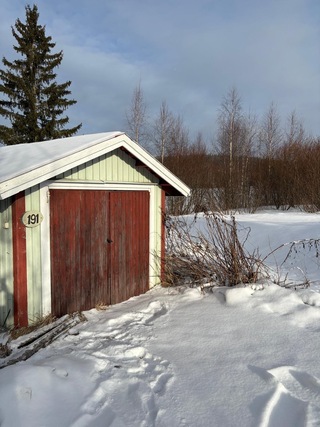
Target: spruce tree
x,y
30,97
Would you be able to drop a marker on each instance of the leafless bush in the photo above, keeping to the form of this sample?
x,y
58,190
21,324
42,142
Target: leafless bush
x,y
290,272
305,244
212,253
100,306
40,322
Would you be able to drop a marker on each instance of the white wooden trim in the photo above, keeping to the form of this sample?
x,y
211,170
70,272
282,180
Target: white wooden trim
x,y
45,250
156,167
152,238
45,228
105,186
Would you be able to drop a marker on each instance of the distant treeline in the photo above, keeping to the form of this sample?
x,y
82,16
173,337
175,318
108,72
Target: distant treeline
x,y
290,178
248,164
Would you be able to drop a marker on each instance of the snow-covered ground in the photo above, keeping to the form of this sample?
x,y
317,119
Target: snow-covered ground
x,y
245,356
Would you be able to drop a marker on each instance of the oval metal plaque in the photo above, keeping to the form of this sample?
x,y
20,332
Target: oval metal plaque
x,y
32,218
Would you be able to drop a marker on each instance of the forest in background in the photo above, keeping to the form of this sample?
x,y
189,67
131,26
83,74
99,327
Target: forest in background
x,y
249,163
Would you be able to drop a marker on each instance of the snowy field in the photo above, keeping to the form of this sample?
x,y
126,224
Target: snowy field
x,y
245,356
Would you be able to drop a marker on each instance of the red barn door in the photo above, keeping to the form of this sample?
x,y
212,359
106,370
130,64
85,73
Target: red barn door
x,y
99,247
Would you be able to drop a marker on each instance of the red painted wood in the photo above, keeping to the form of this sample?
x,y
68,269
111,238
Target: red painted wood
x,y
20,291
99,247
79,254
129,228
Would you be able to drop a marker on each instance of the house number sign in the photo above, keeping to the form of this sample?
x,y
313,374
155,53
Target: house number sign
x,y
32,218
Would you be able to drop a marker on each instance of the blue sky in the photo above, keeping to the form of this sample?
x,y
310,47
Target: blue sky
x,y
186,52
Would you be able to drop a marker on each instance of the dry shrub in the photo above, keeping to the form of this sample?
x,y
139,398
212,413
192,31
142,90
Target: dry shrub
x,y
39,323
297,253
213,253
4,350
101,306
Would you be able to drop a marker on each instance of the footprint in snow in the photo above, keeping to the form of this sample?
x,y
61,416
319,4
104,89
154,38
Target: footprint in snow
x,y
294,400
105,405
24,393
160,384
60,372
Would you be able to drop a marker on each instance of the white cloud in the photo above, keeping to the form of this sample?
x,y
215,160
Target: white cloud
x,y
188,53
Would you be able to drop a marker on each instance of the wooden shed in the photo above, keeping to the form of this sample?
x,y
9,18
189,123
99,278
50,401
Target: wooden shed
x,y
81,224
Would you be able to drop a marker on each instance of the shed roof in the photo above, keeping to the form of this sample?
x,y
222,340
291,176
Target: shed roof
x,y
25,165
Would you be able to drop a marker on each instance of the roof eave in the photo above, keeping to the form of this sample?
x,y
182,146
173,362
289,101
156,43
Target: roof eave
x,y
178,187
43,173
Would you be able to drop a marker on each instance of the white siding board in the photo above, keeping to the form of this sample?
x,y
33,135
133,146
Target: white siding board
x,y
155,237
102,166
116,166
89,171
33,242
6,265
45,250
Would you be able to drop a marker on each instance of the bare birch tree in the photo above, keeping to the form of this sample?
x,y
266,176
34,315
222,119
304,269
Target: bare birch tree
x,y
270,141
295,133
179,138
137,118
245,153
270,136
229,133
161,131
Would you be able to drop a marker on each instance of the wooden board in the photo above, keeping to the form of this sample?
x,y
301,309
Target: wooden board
x,y
99,247
20,291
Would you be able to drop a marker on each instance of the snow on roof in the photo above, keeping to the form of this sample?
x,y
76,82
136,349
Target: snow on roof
x,y
25,165
17,159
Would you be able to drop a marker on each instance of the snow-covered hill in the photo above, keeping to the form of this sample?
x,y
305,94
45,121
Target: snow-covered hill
x,y
245,356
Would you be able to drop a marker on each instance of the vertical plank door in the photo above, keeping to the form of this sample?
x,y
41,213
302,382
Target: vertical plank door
x,y
129,231
99,247
79,229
